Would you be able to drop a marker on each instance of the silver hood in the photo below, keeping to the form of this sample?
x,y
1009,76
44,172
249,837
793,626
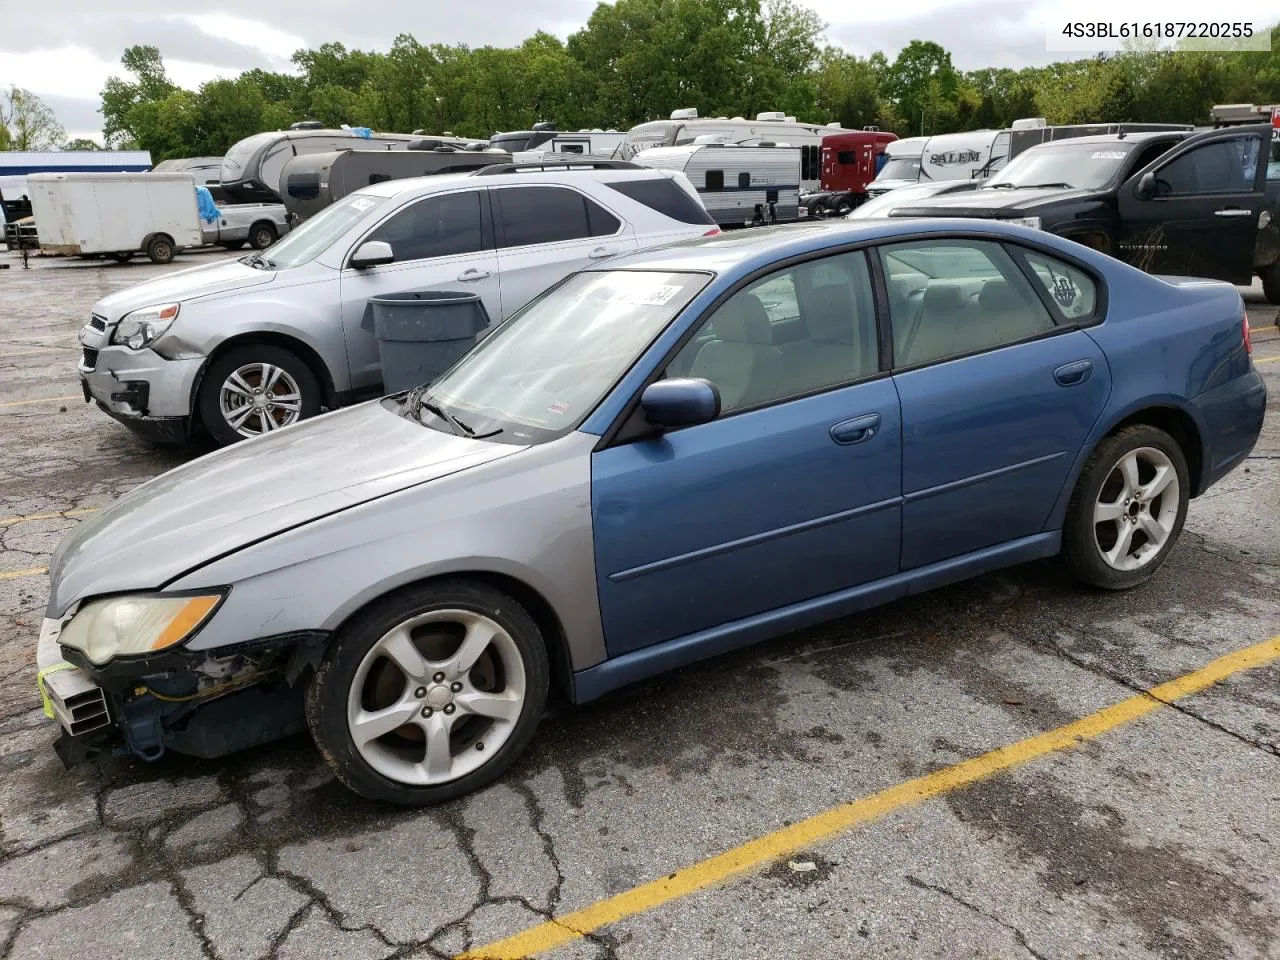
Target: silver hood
x,y
184,285
251,491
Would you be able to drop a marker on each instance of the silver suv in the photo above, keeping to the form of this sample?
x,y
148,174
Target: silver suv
x,y
244,347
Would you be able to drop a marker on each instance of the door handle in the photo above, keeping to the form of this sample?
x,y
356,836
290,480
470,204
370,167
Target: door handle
x,y
599,253
471,274
857,430
1232,212
1069,374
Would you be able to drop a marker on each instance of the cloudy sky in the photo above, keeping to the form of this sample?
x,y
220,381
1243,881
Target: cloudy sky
x,y
63,50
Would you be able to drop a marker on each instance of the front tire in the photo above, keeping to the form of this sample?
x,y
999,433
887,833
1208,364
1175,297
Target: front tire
x,y
430,693
255,389
1127,509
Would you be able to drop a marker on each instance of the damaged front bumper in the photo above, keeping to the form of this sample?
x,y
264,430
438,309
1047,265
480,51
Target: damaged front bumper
x,y
198,703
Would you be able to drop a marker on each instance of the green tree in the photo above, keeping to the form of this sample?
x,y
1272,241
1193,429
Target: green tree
x,y
921,81
82,143
847,89
28,122
150,84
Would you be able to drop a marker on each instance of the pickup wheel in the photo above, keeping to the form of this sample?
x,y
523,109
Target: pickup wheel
x,y
255,389
1127,509
262,235
160,249
1270,275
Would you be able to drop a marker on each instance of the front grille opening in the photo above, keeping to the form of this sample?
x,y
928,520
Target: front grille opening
x,y
90,358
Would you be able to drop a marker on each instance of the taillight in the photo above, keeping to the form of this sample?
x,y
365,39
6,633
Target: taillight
x,y
1248,340
713,232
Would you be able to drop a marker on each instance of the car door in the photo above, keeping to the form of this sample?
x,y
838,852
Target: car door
x,y
790,494
441,242
547,232
1197,214
999,389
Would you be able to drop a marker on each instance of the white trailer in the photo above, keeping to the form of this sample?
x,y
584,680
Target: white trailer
x,y
739,186
118,214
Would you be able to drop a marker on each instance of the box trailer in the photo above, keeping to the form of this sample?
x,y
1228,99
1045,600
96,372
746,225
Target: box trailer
x,y
739,186
117,214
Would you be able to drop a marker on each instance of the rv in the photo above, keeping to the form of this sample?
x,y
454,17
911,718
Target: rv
x,y
685,127
311,182
207,172
251,169
544,138
850,161
739,186
901,166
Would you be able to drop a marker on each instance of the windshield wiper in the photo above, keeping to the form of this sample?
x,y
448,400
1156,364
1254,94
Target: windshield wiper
x,y
1004,184
1048,186
454,423
257,260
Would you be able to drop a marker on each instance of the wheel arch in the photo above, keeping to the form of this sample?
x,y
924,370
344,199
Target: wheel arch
x,y
307,353
535,604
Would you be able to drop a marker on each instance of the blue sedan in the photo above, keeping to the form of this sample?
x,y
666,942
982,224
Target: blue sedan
x,y
675,454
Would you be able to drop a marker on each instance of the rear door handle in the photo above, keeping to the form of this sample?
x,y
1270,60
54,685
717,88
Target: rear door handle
x,y
471,275
1232,212
1069,374
857,430
599,253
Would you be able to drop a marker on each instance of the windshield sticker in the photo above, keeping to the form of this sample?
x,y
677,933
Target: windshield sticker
x,y
645,296
362,203
1108,155
558,407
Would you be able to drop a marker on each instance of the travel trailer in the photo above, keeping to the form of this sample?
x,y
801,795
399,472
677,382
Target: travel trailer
x,y
544,138
311,182
685,127
207,171
739,186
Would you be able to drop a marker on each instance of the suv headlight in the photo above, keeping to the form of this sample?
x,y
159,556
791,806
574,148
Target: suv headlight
x,y
141,327
123,626
1032,222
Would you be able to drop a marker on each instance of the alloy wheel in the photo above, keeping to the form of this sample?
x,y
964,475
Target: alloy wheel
x,y
258,398
436,696
1137,509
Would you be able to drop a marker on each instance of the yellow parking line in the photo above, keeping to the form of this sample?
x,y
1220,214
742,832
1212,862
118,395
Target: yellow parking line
x,y
1267,360
15,574
23,403
816,829
56,515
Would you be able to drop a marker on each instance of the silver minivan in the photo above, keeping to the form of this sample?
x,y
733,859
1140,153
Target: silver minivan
x,y
245,347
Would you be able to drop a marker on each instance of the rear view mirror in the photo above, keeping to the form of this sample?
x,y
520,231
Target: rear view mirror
x,y
680,402
1146,188
372,253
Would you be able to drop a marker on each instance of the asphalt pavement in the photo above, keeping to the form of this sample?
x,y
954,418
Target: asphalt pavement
x,y
1012,767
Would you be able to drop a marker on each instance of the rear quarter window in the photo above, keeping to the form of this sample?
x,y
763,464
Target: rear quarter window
x,y
660,194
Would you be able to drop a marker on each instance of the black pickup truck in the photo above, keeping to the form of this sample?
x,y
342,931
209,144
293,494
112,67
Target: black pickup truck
x,y
1191,204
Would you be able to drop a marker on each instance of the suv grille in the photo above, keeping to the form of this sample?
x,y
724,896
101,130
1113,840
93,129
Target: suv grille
x,y
90,359
97,322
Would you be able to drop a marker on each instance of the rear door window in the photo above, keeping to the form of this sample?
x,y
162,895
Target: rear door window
x,y
532,215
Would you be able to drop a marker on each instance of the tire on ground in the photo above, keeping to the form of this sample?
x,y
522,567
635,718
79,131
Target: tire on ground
x,y
160,249
208,406
1080,549
262,235
328,690
1271,282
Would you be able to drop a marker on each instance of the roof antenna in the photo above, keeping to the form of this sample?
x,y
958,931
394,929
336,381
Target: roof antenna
x,y
1120,132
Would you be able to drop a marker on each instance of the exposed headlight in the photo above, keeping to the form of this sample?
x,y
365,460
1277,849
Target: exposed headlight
x,y
124,626
140,327
1032,222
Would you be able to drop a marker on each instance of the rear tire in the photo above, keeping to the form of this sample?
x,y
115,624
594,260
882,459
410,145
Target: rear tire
x,y
1127,509
447,744
160,249
262,235
1271,282
226,402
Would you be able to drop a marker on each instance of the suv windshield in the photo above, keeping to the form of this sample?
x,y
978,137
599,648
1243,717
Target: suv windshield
x,y
900,168
539,375
307,241
1084,166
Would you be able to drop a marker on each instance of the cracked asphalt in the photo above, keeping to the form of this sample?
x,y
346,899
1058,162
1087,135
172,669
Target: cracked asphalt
x,y
1158,839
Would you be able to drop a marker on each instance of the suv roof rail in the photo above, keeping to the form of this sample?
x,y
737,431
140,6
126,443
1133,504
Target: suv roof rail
x,y
572,164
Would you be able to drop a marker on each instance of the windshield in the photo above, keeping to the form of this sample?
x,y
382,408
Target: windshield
x,y
238,156
316,234
1087,166
538,375
900,168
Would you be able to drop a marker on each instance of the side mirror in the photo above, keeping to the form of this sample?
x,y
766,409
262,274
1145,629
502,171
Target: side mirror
x,y
680,402
1146,188
372,253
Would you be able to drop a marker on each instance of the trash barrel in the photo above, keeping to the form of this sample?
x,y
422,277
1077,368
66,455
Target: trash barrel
x,y
422,334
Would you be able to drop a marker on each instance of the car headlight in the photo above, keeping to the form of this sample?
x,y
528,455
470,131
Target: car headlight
x,y
140,327
1032,222
127,625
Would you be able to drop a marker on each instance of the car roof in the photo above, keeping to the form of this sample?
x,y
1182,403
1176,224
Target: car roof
x,y
1137,136
547,175
752,248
